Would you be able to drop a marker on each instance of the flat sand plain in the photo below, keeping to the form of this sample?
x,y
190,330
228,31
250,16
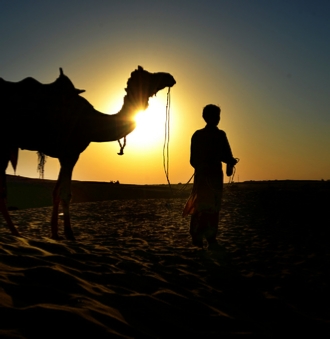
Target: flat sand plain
x,y
133,273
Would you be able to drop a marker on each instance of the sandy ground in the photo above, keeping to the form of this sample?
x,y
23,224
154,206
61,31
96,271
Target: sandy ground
x,y
133,273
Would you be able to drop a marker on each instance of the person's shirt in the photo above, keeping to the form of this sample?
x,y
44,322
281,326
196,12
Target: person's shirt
x,y
209,148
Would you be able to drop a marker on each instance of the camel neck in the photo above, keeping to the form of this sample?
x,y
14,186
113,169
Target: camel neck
x,y
116,126
104,127
132,105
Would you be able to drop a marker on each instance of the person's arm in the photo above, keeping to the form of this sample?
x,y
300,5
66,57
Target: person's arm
x,y
228,156
227,153
193,150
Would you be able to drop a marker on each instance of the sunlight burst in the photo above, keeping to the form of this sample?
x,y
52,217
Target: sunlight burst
x,y
150,124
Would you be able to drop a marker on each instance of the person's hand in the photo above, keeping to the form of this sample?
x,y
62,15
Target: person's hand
x,y
230,166
229,170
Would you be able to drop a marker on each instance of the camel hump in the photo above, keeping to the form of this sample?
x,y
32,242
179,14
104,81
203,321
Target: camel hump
x,y
25,83
29,86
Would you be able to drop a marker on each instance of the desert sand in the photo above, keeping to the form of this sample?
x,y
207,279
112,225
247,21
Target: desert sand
x,y
133,273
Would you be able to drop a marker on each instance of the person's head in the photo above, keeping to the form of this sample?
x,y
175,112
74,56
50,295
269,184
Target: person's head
x,y
211,114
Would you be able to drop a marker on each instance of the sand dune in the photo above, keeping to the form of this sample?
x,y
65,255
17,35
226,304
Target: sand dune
x,y
133,273
29,193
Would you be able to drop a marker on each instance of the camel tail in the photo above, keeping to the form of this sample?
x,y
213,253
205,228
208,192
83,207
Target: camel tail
x,y
14,158
41,164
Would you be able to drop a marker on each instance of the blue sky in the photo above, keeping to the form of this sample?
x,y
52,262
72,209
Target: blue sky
x,y
266,63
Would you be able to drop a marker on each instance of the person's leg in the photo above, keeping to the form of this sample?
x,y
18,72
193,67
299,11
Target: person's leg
x,y
212,227
196,229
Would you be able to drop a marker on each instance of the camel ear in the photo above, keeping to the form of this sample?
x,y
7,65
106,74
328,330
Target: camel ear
x,y
61,71
140,68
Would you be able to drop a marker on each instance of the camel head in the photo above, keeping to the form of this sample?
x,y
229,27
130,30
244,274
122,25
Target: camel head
x,y
142,85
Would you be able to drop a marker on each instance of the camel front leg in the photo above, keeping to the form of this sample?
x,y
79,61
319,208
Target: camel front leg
x,y
56,203
67,222
62,193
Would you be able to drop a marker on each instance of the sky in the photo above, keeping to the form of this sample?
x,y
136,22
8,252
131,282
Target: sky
x,y
265,63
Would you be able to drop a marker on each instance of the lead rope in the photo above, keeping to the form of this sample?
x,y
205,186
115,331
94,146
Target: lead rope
x,y
231,178
166,152
166,147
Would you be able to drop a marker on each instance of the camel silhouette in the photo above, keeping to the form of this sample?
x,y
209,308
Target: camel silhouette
x,y
54,120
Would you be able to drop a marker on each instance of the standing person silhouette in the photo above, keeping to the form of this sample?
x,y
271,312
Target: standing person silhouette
x,y
209,148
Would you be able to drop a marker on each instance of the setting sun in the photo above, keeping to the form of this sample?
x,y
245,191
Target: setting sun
x,y
150,124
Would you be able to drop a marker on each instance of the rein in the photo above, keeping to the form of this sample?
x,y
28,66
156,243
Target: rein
x,y
122,146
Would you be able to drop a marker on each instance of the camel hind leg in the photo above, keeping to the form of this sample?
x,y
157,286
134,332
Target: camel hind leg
x,y
4,159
